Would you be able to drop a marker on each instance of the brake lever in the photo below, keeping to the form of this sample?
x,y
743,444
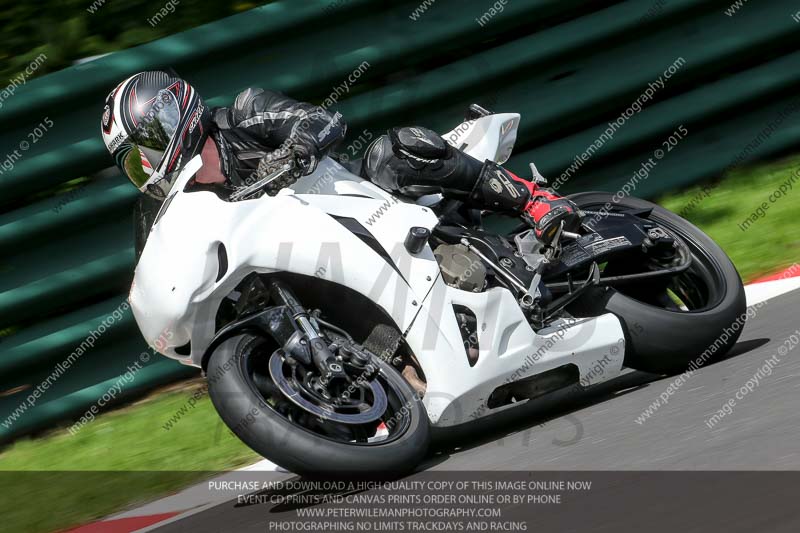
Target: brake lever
x,y
247,191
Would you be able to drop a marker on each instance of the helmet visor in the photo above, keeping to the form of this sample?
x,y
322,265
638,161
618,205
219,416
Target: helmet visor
x,y
159,125
137,167
149,143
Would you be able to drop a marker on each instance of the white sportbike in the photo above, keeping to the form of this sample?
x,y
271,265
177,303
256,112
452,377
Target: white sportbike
x,y
338,323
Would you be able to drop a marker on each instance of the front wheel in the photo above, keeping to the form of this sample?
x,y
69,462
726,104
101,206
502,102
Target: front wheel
x,y
242,374
686,321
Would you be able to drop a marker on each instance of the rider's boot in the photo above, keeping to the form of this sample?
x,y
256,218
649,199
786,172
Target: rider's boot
x,y
544,210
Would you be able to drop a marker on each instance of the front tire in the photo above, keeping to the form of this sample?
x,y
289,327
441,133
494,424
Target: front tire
x,y
258,424
667,341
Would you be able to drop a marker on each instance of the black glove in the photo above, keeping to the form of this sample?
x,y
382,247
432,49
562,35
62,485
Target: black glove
x,y
298,158
296,161
275,160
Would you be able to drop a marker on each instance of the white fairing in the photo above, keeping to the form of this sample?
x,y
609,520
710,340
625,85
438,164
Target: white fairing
x,y
490,137
179,283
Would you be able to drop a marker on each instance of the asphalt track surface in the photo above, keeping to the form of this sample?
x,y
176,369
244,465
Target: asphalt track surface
x,y
598,431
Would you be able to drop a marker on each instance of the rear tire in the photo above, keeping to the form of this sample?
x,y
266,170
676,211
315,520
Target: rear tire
x,y
257,424
665,341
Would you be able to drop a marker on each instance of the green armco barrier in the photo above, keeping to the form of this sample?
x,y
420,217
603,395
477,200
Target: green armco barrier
x,y
235,33
73,405
73,285
290,59
488,72
707,104
569,67
44,343
76,209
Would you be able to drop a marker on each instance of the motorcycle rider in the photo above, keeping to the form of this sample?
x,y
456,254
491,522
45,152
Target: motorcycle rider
x,y
153,123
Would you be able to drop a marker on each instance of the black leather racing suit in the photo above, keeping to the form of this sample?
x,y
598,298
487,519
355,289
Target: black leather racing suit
x,y
410,160
261,121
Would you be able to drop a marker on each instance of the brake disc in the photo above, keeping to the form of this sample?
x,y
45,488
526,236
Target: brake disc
x,y
375,411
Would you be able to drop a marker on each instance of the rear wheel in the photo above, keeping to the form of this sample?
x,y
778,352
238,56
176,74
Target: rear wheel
x,y
290,420
694,316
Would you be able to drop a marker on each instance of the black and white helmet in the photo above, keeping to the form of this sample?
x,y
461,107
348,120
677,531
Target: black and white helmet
x,y
153,124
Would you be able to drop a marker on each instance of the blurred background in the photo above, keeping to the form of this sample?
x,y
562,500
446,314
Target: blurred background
x,y
602,87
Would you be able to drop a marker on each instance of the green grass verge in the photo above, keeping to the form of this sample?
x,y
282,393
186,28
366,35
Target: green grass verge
x,y
769,242
123,458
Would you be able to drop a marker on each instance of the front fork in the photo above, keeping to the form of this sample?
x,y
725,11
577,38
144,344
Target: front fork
x,y
323,358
